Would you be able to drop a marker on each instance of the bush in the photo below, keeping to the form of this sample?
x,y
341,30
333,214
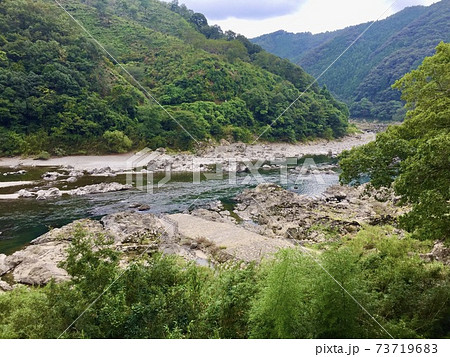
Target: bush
x,y
117,142
11,143
291,296
43,155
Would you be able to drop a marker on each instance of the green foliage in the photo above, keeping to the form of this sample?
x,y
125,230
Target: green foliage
x,y
228,300
290,296
408,297
300,300
283,308
414,157
56,82
43,155
27,313
117,141
364,75
11,143
425,183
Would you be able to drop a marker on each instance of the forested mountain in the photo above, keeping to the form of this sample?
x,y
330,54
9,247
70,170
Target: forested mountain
x,y
60,92
363,76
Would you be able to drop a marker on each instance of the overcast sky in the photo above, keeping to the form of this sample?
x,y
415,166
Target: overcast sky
x,y
257,17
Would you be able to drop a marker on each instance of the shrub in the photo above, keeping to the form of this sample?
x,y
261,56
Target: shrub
x,y
43,155
117,142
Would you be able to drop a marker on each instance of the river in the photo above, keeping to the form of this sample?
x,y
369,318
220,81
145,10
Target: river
x,y
23,220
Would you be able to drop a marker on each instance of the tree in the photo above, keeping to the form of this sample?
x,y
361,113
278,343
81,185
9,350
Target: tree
x,y
101,6
117,141
414,157
199,20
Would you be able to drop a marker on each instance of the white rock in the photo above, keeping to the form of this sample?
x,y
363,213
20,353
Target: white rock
x,y
51,176
26,194
75,173
38,264
50,193
5,265
4,286
99,188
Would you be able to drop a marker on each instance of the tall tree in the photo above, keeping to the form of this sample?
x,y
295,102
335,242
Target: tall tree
x,y
415,157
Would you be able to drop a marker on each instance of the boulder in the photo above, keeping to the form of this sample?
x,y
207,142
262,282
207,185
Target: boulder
x,y
102,172
213,216
336,193
241,168
48,194
26,194
4,286
5,265
38,264
143,208
441,253
20,172
99,188
75,173
240,147
51,176
215,206
132,227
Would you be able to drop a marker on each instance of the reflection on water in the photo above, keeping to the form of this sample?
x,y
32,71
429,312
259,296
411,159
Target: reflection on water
x,y
23,220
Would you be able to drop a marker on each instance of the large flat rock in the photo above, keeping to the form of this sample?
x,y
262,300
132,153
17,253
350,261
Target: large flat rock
x,y
237,241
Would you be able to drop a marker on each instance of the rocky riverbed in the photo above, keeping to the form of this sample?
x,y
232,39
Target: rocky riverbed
x,y
264,220
225,158
226,154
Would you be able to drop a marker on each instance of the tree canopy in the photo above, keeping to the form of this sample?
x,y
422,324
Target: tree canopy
x,y
287,296
363,76
61,93
415,157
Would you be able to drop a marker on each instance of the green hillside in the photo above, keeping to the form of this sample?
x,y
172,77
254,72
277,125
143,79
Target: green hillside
x,y
363,76
59,92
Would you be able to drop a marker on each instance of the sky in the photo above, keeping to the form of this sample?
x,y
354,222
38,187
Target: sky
x,y
257,17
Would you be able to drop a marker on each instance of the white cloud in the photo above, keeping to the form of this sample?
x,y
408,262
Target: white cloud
x,y
314,16
401,4
256,17
243,9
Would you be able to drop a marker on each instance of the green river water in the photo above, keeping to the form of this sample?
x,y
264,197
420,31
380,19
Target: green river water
x,y
23,220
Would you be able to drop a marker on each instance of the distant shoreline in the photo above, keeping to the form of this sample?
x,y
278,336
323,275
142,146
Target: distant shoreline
x,y
212,155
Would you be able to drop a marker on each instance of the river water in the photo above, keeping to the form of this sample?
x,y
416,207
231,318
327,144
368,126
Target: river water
x,y
23,220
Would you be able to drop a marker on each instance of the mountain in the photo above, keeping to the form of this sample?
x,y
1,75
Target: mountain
x,y
363,76
61,93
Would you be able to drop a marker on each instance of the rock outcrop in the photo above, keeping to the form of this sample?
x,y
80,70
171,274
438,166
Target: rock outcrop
x,y
439,253
48,194
340,210
227,241
99,188
4,286
51,176
132,233
265,220
80,191
5,265
37,264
